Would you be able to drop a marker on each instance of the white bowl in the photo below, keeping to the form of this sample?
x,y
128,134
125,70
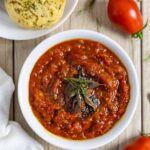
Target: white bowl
x,y
23,93
9,30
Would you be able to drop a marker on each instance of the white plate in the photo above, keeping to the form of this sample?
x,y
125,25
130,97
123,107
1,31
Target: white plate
x,y
9,30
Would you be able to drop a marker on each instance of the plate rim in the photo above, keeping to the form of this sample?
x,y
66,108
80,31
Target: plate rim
x,y
47,31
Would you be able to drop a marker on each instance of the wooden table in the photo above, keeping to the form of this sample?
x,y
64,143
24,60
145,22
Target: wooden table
x,y
14,53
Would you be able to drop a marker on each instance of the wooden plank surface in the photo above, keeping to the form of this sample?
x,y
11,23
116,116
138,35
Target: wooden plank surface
x,y
6,62
146,70
12,57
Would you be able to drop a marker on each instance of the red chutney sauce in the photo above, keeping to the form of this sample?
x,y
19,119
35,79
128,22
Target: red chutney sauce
x,y
79,89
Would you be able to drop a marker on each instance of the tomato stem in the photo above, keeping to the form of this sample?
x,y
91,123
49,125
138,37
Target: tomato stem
x,y
139,33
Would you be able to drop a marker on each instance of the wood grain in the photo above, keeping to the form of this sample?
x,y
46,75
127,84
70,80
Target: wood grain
x,y
87,20
146,70
6,62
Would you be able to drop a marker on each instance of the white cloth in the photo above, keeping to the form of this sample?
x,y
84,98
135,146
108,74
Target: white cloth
x,y
12,136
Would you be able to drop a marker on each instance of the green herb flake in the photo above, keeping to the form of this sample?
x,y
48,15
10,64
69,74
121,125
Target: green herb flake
x,y
98,22
79,85
147,58
80,11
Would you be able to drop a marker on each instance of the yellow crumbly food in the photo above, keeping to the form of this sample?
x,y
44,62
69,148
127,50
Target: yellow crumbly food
x,y
35,14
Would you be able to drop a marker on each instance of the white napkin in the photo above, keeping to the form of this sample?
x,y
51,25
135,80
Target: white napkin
x,y
12,136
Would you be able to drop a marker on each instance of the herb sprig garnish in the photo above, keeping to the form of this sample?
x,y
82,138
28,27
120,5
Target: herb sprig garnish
x,y
79,85
77,91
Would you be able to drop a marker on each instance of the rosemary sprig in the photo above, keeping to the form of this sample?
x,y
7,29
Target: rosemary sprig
x,y
79,85
76,90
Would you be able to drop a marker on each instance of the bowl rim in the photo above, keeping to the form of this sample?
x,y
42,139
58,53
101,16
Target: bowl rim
x,y
45,31
67,143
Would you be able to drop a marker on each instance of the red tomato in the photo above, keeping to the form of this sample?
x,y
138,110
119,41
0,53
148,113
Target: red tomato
x,y
126,15
142,143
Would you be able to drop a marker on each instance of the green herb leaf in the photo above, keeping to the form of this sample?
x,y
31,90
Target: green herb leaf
x,y
98,22
81,11
79,85
82,85
147,58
